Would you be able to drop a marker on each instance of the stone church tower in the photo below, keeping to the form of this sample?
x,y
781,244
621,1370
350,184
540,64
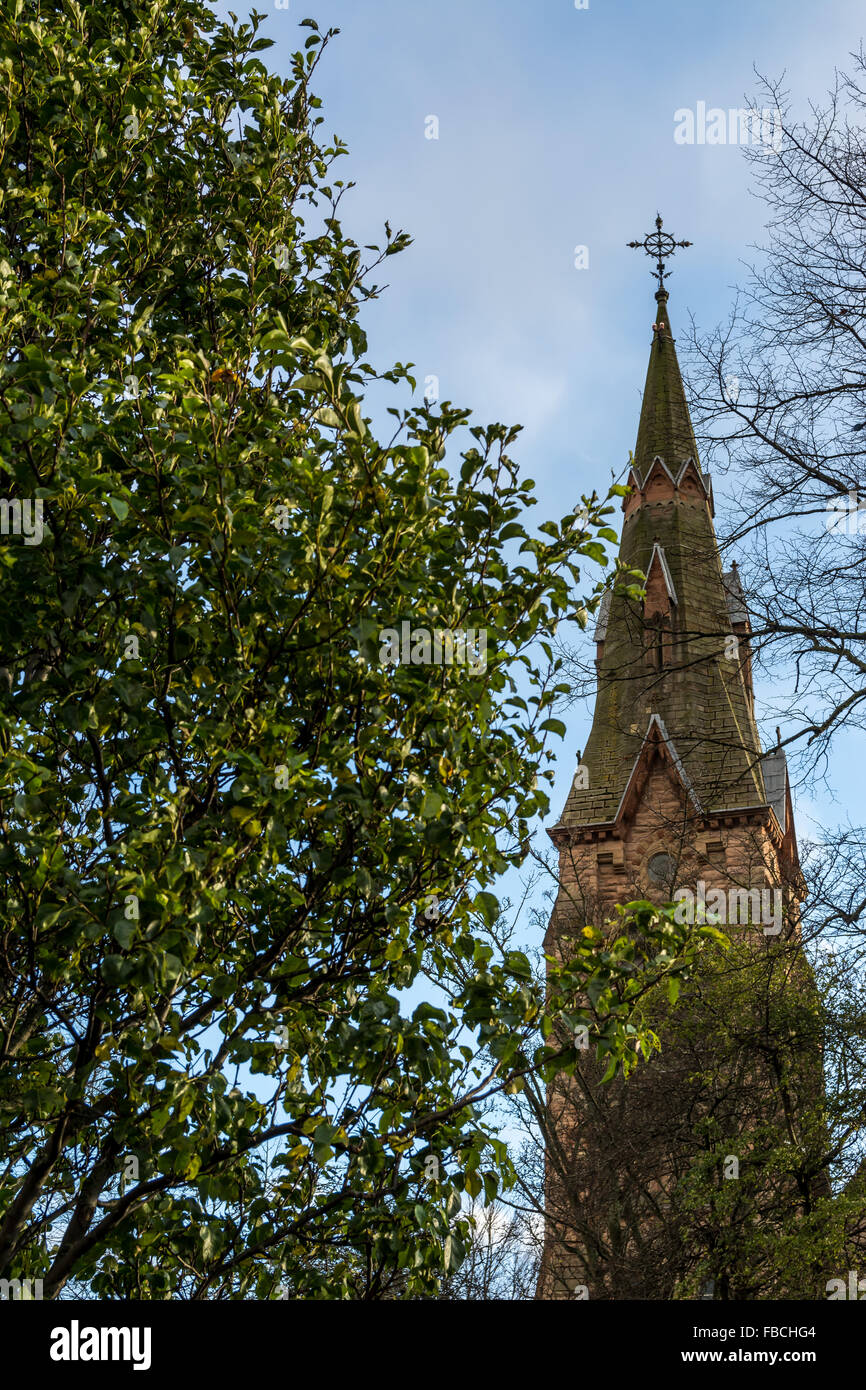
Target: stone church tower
x,y
673,790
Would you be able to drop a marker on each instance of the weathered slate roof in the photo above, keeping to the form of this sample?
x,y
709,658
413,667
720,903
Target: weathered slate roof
x,y
700,698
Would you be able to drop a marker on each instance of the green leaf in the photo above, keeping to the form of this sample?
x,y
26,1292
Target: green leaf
x,y
488,906
123,932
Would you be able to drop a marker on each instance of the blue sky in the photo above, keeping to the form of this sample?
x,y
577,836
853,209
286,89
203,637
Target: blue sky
x,y
556,129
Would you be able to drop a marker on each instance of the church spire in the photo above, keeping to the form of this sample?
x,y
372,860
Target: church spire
x,y
672,792
670,669
665,429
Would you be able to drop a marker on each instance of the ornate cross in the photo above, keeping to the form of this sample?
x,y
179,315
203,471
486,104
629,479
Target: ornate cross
x,y
661,245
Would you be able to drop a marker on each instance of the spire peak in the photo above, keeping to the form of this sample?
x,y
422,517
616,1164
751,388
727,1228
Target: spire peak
x,y
665,428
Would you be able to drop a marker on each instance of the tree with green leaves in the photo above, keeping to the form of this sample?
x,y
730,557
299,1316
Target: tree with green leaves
x,y
250,1003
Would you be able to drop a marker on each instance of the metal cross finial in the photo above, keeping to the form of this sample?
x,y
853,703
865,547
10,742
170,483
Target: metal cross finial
x,y
661,245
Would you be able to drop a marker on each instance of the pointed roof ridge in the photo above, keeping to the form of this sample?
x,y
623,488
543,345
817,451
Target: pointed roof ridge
x,y
658,553
661,463
657,733
665,428
675,758
704,478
